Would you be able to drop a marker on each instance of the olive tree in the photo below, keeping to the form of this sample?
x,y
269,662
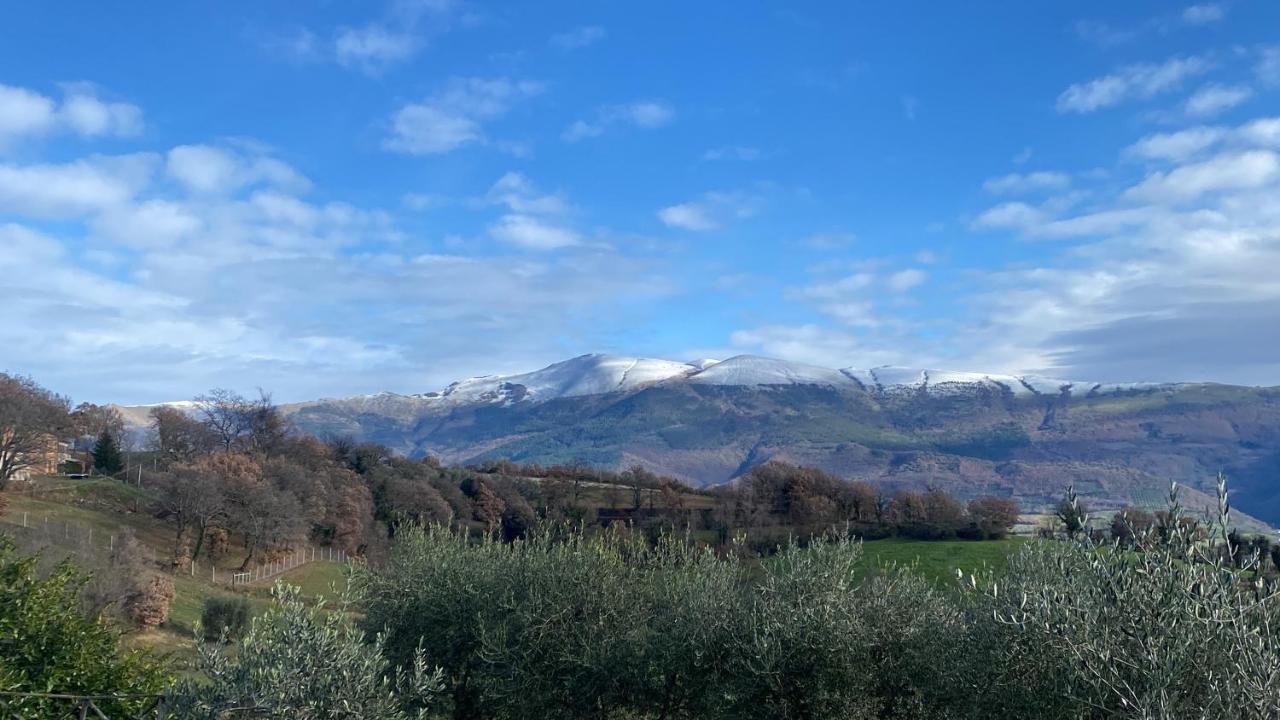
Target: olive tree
x,y
306,661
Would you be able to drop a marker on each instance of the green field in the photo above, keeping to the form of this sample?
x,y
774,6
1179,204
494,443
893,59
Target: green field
x,y
938,560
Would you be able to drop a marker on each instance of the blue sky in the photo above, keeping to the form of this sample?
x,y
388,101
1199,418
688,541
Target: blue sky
x,y
334,198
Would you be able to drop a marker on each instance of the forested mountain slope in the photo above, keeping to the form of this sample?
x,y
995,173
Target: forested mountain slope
x,y
969,433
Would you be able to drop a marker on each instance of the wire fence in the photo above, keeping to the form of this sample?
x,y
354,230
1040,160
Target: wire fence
x,y
294,559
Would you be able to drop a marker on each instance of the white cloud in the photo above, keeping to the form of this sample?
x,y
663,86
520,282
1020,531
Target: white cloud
x,y
1245,170
1184,145
152,224
25,113
1018,183
1263,132
840,289
1179,268
452,118
207,169
428,130
1203,14
518,193
73,189
578,37
148,273
581,130
1132,82
374,47
712,210
533,233
1268,67
904,280
1213,99
1011,216
88,116
688,216
1177,146
646,114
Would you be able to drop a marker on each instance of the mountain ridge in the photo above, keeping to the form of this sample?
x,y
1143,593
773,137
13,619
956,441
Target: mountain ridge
x,y
971,433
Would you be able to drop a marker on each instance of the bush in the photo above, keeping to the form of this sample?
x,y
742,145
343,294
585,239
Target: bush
x,y
224,618
148,605
1169,632
611,626
47,643
303,661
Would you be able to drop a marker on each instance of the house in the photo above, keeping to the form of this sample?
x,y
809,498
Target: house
x,y
44,461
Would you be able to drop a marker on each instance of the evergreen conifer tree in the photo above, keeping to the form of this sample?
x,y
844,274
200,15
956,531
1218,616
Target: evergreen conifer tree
x,y
106,454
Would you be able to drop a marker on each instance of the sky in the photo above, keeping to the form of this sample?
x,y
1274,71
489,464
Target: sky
x,y
333,198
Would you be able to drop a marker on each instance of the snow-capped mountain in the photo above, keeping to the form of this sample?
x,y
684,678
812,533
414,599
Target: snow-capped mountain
x,y
709,421
598,374
593,374
752,370
889,378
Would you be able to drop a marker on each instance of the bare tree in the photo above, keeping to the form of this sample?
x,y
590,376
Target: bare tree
x,y
93,420
266,518
239,422
31,421
195,497
180,437
225,412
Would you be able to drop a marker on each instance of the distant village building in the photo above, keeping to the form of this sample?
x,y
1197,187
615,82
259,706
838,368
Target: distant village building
x,y
48,460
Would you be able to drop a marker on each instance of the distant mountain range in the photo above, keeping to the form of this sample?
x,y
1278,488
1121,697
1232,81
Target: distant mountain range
x,y
710,421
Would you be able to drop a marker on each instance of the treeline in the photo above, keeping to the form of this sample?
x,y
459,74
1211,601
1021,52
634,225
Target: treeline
x,y
808,499
234,476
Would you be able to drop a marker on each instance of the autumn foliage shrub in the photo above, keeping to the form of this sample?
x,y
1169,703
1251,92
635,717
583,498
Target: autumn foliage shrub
x,y
148,605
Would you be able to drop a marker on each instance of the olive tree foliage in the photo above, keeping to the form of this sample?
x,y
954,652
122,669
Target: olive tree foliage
x,y
306,661
31,417
1172,631
565,626
48,643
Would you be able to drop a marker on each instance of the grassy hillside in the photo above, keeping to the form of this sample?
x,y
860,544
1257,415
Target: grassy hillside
x,y
78,517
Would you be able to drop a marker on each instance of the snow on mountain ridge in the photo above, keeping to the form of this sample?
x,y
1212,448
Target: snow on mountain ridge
x,y
593,374
756,370
598,374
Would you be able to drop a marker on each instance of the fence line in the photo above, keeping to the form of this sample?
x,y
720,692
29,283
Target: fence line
x,y
289,562
78,539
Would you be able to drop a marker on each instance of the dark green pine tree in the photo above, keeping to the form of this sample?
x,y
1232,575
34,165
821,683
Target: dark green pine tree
x,y
106,454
